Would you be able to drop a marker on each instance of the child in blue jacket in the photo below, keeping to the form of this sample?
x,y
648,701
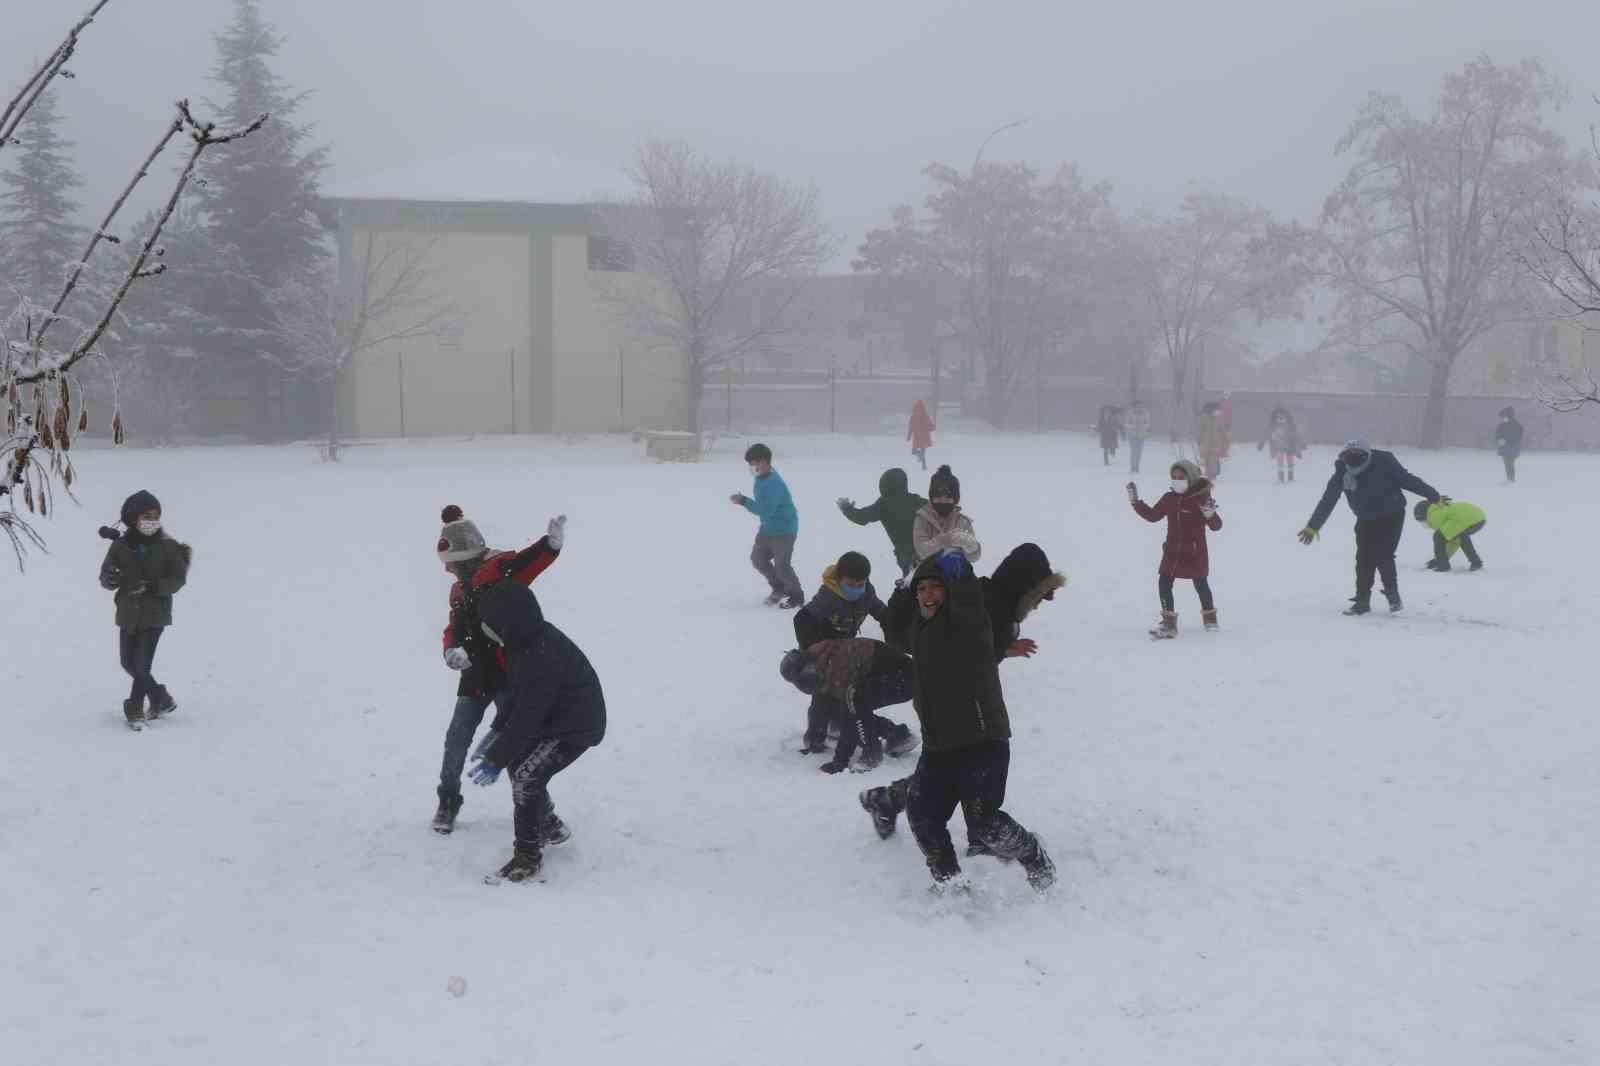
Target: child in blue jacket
x,y
773,554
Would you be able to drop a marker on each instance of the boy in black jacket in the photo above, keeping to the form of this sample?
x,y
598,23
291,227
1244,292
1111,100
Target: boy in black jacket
x,y
554,713
966,729
145,568
837,612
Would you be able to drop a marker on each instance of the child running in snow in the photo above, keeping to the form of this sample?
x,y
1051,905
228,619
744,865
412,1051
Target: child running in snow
x,y
468,559
941,526
919,431
1189,511
773,553
1454,524
145,567
857,677
896,507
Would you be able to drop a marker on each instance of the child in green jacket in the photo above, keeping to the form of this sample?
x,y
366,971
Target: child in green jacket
x,y
1454,524
896,507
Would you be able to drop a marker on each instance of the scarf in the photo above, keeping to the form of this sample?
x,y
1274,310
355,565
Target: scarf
x,y
1352,473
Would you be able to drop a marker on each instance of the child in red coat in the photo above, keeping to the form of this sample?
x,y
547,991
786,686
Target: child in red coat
x,y
1189,511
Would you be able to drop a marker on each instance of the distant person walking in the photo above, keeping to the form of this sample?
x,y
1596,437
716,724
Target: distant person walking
x,y
773,553
1109,427
919,431
1136,427
1508,442
1284,436
1211,438
1374,484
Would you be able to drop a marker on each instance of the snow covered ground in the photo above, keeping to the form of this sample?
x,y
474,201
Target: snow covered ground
x,y
1306,839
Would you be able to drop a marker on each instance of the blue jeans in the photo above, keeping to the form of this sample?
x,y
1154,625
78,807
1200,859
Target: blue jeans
x,y
458,740
1135,452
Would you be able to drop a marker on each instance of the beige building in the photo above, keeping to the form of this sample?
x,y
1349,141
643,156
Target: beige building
x,y
530,343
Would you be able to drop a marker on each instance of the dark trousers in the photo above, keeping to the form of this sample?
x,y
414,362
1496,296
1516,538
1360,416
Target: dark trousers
x,y
1377,539
138,652
975,780
530,790
1201,586
464,723
1511,466
1441,547
773,558
857,724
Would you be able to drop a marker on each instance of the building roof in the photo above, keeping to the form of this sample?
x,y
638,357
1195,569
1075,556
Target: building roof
x,y
504,174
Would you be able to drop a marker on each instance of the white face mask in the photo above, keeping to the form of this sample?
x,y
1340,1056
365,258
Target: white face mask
x,y
1180,486
755,471
150,527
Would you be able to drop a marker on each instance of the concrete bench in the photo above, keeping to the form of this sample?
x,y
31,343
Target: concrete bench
x,y
672,446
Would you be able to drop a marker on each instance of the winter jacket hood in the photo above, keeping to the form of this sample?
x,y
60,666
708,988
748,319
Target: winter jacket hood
x,y
893,483
136,505
829,616
1021,582
896,507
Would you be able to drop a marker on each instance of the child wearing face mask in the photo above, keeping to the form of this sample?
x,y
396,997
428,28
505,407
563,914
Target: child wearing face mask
x,y
1189,511
773,553
145,567
941,526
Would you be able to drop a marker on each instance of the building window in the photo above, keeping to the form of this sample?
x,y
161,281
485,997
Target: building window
x,y
609,255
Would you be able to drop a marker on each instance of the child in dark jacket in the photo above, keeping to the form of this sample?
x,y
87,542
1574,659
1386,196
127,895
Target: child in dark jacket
x,y
837,612
856,677
896,507
145,567
475,566
1189,511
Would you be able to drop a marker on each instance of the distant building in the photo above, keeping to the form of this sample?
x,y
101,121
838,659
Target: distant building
x,y
531,345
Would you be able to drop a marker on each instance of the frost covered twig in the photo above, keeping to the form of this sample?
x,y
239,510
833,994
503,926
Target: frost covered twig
x,y
49,70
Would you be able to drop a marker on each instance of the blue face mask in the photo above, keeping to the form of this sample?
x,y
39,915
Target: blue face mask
x,y
853,592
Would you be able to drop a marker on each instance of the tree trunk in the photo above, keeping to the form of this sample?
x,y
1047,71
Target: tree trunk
x,y
696,385
1178,421
1433,410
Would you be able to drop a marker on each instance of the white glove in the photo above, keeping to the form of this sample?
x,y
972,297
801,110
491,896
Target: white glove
x,y
457,658
556,532
1133,493
1209,508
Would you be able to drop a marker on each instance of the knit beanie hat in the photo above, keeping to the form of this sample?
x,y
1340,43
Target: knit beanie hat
x,y
944,483
459,540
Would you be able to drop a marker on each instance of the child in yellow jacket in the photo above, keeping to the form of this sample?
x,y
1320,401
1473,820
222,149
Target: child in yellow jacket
x,y
1454,524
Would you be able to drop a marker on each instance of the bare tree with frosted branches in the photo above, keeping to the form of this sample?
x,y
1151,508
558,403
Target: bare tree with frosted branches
x,y
720,255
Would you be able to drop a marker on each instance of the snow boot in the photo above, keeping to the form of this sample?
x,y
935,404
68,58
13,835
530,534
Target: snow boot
x,y
1210,619
1393,596
444,819
791,603
875,801
978,849
133,711
773,600
900,741
1475,567
1167,628
1359,605
554,831
1038,866
524,866
161,702
870,757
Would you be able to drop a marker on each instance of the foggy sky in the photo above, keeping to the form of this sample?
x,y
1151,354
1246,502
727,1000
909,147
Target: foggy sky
x,y
1247,96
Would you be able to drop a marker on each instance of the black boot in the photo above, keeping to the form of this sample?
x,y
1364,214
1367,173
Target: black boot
x,y
1038,866
444,819
900,740
133,710
1360,604
1393,596
161,702
876,802
524,866
554,831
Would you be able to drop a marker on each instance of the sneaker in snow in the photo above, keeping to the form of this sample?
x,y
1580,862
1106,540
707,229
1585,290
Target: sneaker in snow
x,y
521,868
875,801
1395,606
1475,567
133,711
161,702
791,603
1358,607
773,600
900,741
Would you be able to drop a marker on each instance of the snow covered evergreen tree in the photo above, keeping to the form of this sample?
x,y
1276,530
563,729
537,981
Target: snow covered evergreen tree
x,y
259,202
39,233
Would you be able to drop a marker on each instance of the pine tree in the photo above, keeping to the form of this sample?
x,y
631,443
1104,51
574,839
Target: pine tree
x,y
259,202
38,232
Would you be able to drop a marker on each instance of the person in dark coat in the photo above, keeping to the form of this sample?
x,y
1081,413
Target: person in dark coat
x,y
837,612
1189,511
468,559
554,712
1374,484
896,507
1023,580
1109,426
1508,442
145,567
966,728
1284,436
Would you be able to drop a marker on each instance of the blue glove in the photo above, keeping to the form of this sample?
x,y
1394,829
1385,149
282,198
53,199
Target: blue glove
x,y
482,750
953,565
483,773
